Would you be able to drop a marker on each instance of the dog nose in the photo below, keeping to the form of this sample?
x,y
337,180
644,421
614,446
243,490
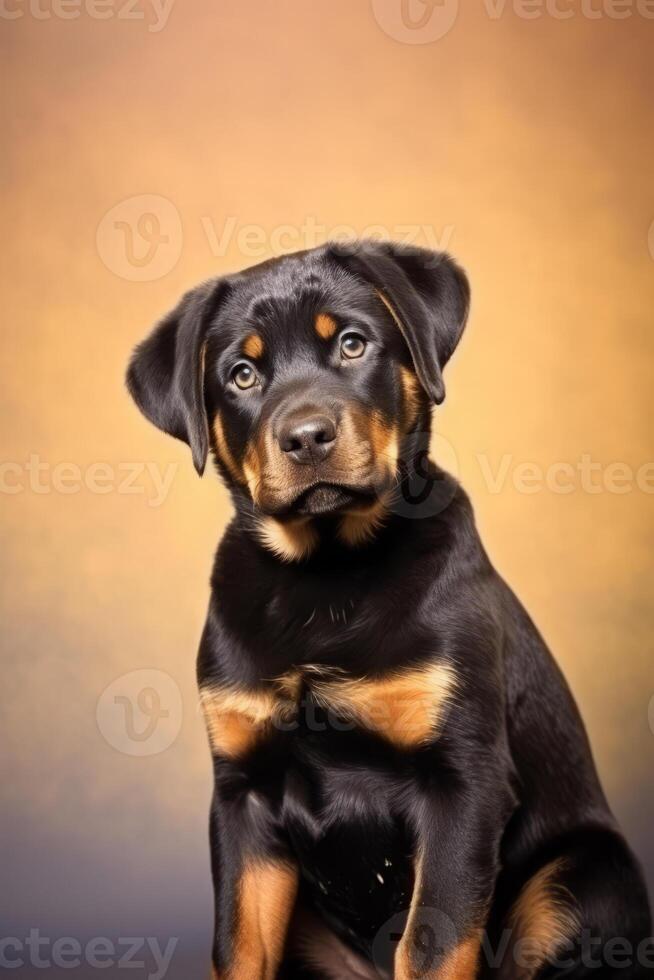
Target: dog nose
x,y
308,440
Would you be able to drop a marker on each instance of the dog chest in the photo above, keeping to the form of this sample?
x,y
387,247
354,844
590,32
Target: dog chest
x,y
406,708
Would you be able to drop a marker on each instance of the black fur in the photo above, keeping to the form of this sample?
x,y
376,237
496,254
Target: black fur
x,y
508,785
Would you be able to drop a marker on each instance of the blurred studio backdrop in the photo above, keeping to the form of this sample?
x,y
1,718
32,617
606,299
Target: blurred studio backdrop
x,y
151,144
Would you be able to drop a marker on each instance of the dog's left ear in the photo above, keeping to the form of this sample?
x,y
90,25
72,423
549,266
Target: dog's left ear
x,y
428,295
166,373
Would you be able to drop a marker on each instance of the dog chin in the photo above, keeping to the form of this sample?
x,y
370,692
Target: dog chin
x,y
324,499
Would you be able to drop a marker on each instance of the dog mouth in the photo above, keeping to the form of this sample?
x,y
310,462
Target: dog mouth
x,y
330,498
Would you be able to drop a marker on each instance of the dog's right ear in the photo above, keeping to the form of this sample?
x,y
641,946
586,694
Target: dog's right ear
x,y
427,294
166,373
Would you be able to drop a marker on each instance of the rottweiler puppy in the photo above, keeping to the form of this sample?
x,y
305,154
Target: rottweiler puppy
x,y
403,786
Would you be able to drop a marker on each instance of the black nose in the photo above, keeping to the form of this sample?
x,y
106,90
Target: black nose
x,y
309,439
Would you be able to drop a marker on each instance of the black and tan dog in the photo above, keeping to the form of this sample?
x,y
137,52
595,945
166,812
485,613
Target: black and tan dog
x,y
403,785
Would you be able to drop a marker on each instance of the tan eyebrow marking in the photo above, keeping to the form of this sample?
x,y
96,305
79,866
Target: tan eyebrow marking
x,y
326,326
253,346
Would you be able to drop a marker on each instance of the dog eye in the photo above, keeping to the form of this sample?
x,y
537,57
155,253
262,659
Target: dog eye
x,y
244,376
352,345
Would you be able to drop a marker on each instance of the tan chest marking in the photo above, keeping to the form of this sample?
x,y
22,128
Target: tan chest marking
x,y
236,719
407,707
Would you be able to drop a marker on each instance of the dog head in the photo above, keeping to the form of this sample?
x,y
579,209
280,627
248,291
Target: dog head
x,y
305,376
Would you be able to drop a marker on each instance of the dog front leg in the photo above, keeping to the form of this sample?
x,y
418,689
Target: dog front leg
x,y
456,861
255,884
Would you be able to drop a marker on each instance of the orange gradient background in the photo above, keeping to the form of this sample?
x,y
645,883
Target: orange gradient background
x,y
525,147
